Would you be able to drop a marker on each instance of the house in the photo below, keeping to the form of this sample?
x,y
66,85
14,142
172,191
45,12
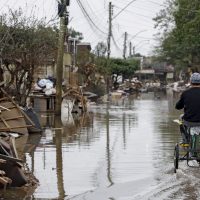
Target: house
x,y
75,53
151,70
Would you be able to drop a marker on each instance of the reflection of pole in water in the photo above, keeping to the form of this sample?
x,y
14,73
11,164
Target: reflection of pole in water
x,y
44,158
124,129
109,175
59,163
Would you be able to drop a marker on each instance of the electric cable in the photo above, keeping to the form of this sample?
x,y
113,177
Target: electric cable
x,y
115,43
133,12
91,22
95,13
123,9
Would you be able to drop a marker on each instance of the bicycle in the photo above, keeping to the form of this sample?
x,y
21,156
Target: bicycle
x,y
187,151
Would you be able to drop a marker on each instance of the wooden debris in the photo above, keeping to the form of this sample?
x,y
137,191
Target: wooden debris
x,y
2,161
76,94
12,118
4,157
5,181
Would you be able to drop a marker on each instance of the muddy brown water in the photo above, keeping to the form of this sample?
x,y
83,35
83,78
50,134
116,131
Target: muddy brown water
x,y
122,150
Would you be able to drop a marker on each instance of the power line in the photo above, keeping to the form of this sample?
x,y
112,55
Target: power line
x,y
123,9
115,43
94,13
145,37
91,22
122,35
157,3
133,12
138,23
137,34
143,7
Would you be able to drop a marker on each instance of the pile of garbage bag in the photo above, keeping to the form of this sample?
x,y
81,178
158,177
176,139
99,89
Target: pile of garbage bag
x,y
46,85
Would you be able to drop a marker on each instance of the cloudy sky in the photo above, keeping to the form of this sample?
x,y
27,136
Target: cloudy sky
x,y
136,20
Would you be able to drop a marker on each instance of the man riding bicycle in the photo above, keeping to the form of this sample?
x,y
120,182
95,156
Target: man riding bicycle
x,y
190,102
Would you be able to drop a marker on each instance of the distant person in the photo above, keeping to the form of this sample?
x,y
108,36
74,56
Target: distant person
x,y
190,102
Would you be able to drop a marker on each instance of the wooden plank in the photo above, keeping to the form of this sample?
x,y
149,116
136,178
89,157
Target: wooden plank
x,y
13,118
8,179
4,98
2,83
11,107
25,115
6,124
10,158
4,108
16,127
3,181
12,141
2,161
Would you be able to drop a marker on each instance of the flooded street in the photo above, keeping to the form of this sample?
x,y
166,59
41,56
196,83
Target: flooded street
x,y
118,151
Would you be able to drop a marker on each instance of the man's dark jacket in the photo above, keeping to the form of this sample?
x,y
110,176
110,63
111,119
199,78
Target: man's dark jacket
x,y
190,101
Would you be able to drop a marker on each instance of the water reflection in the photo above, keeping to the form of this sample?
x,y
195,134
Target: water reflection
x,y
109,151
59,163
30,147
124,129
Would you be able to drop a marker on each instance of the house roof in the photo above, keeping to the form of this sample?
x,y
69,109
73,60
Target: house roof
x,y
84,44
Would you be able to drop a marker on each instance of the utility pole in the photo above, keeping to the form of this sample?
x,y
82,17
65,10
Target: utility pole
x,y
133,51
109,44
109,29
62,12
125,47
130,49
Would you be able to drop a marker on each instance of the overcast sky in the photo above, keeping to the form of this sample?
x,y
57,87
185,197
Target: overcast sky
x,y
136,20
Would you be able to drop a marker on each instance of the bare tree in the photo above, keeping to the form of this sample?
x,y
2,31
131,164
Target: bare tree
x,y
25,44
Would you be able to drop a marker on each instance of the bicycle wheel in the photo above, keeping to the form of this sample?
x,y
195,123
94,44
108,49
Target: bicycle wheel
x,y
196,147
176,157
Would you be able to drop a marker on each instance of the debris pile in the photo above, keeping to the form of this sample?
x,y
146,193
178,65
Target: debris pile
x,y
131,86
45,85
76,97
14,124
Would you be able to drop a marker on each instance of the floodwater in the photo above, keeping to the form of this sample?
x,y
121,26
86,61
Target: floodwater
x,y
122,150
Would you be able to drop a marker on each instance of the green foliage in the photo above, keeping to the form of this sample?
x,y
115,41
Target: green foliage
x,y
126,68
97,88
116,66
101,65
180,43
25,43
75,34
